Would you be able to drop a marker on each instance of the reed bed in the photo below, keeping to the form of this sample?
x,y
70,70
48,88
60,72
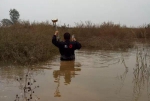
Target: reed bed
x,y
105,36
28,43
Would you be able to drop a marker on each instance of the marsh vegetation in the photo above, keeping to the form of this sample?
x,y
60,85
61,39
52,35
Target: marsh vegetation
x,y
28,43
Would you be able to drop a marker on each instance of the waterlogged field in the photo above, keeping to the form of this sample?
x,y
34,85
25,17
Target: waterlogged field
x,y
94,76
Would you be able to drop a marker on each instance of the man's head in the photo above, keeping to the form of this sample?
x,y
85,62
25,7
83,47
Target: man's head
x,y
67,36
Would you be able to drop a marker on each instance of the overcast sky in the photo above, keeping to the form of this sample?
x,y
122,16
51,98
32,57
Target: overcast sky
x,y
125,12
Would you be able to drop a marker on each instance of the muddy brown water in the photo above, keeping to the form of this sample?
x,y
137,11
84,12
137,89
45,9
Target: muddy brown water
x,y
94,76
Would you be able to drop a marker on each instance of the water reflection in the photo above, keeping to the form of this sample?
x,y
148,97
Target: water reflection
x,y
9,73
122,79
122,76
141,74
68,71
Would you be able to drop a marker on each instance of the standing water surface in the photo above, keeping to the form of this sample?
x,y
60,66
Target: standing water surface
x,y
94,76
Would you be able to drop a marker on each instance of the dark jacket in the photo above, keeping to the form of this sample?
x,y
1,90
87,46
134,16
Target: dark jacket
x,y
66,48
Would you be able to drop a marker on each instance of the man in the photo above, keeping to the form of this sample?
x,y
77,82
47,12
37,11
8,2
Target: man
x,y
67,47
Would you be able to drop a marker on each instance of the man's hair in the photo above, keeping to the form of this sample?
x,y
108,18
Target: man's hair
x,y
67,36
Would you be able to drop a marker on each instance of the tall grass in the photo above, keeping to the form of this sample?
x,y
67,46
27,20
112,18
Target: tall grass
x,y
28,43
104,36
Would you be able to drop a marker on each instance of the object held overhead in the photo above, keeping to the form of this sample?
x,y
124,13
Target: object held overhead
x,y
54,20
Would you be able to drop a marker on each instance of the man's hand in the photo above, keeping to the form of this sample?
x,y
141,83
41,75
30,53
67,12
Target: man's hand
x,y
73,39
56,33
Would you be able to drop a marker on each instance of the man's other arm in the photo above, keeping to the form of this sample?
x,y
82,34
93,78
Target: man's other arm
x,y
78,45
54,39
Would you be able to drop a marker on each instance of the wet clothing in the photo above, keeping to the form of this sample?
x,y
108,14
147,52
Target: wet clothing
x,y
66,48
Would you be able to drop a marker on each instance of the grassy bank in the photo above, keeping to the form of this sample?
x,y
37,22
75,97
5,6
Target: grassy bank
x,y
27,43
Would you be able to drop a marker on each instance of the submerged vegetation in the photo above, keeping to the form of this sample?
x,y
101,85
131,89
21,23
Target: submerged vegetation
x,y
28,43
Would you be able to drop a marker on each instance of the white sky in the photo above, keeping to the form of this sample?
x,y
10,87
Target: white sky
x,y
125,12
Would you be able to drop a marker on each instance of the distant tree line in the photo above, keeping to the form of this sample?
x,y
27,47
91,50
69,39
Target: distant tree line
x,y
14,17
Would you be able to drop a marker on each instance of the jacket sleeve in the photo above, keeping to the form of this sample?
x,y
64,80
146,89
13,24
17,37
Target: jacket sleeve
x,y
78,45
54,41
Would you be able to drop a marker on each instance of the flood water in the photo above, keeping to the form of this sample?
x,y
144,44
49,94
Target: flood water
x,y
94,76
